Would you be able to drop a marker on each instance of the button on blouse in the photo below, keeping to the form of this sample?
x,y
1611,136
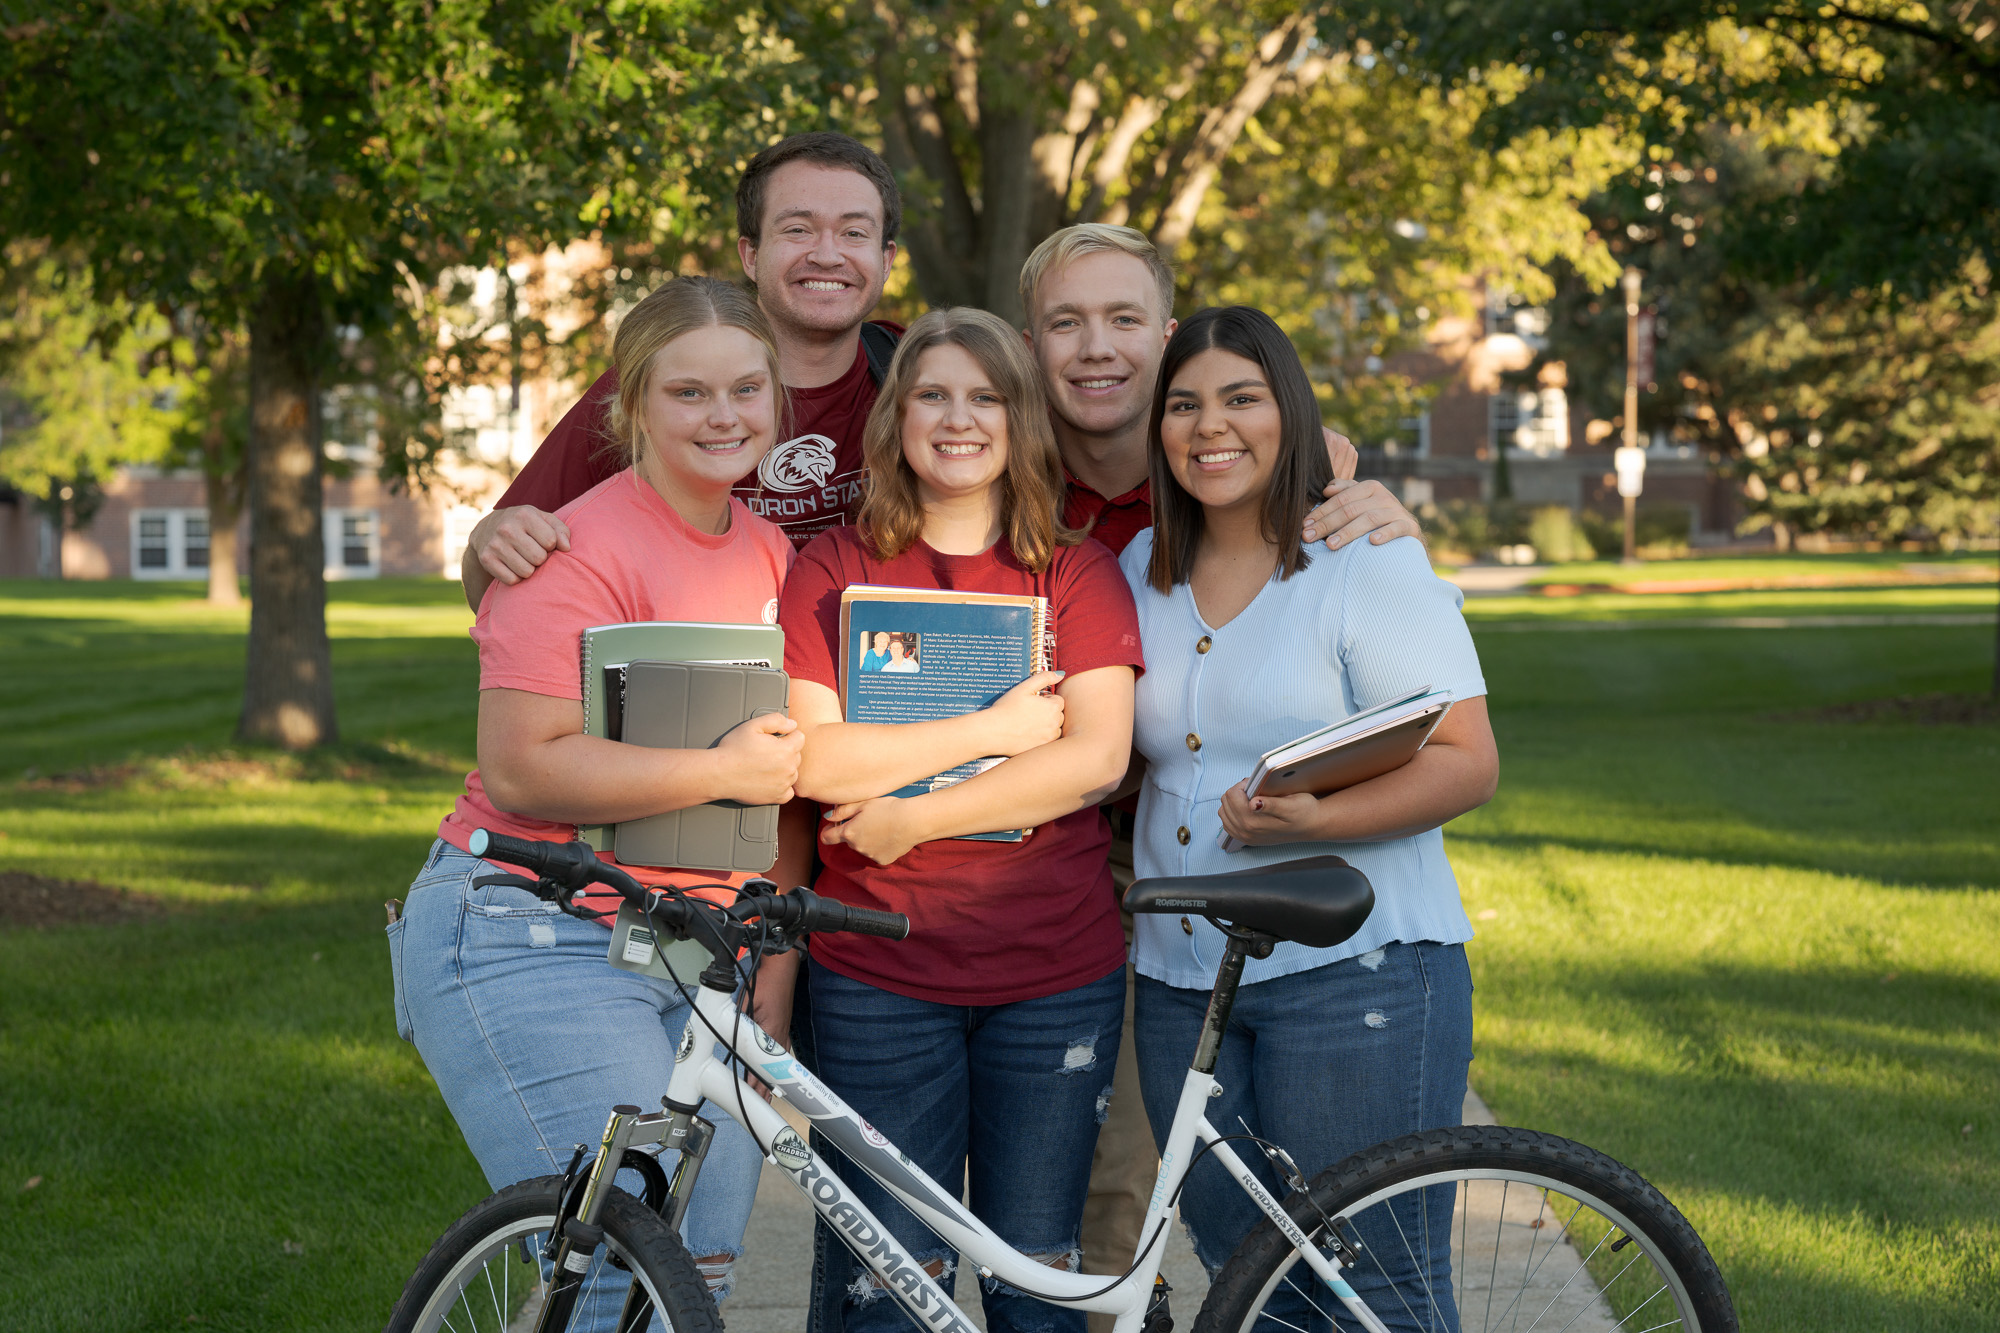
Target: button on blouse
x,y
1355,628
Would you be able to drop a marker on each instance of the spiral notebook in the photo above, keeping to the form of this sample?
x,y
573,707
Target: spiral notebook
x,y
918,654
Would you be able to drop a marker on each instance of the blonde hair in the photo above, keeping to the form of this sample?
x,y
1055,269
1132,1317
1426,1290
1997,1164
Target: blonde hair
x,y
1065,247
1031,490
680,307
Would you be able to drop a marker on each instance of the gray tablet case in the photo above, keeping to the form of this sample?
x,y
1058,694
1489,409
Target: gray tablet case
x,y
691,706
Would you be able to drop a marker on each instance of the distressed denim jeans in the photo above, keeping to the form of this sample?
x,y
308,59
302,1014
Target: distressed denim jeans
x,y
1005,1097
1322,1063
533,1037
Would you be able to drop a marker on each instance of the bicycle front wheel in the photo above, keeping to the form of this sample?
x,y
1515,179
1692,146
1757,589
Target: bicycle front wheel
x,y
486,1274
1475,1229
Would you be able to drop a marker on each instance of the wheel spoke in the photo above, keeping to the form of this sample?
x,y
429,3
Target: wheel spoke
x,y
1493,1278
1394,1285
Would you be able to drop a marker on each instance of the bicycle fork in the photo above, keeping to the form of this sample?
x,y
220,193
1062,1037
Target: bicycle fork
x,y
578,1233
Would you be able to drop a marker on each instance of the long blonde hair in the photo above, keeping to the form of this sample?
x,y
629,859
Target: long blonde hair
x,y
679,307
1031,490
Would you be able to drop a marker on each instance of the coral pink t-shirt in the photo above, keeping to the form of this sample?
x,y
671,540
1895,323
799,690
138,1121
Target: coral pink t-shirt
x,y
631,558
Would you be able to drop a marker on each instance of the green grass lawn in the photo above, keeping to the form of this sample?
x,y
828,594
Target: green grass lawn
x,y
1755,956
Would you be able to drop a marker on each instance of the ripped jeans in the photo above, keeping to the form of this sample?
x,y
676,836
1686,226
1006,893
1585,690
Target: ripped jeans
x,y
533,1037
1016,1091
1323,1063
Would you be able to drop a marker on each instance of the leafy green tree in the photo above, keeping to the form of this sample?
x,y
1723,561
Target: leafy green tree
x,y
1842,413
85,385
1006,122
1901,101
298,168
1361,210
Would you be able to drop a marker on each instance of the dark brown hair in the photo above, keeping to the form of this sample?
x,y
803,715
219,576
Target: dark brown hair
x,y
1303,468
1031,489
827,149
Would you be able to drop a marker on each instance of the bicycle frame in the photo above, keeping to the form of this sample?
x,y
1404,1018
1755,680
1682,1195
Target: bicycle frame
x,y
699,1073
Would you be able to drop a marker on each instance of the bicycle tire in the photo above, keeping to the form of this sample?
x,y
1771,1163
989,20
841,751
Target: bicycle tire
x,y
1523,1182
475,1276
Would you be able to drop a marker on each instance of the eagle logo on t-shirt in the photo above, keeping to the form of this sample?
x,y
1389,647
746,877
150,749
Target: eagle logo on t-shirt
x,y
797,465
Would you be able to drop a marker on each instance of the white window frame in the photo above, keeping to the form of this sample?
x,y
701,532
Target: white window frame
x,y
176,523
332,526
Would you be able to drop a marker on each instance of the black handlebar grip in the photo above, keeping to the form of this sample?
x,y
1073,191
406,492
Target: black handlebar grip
x,y
568,863
867,921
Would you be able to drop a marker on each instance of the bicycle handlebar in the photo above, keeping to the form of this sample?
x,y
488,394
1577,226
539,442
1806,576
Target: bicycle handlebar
x,y
572,865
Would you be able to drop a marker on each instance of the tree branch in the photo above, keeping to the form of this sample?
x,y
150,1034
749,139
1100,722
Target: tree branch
x,y
1222,127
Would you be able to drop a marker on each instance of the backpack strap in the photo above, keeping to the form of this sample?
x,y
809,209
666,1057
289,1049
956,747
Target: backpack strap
x,y
879,346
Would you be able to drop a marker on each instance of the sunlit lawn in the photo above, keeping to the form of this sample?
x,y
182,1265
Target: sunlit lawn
x,y
1755,956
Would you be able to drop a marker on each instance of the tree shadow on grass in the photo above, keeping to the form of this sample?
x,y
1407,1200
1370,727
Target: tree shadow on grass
x,y
1755,849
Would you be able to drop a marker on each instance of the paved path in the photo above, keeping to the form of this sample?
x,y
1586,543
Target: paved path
x,y
1728,622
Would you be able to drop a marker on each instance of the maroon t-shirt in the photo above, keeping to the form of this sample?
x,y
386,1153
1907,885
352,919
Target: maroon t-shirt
x,y
990,922
806,484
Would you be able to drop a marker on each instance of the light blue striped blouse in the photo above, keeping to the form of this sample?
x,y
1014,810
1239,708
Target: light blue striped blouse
x,y
1355,628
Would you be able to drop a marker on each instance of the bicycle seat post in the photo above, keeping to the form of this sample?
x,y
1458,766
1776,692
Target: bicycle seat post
x,y
1242,944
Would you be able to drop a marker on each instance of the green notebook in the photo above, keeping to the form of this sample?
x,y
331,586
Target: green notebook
x,y
608,649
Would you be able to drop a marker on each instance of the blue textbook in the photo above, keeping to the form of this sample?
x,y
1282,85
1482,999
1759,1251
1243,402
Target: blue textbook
x,y
918,654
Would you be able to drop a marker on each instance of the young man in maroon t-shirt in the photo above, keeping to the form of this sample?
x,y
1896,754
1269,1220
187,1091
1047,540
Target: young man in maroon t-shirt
x,y
817,216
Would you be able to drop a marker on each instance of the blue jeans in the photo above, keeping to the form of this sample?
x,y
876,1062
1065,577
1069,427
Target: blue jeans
x,y
533,1037
1017,1090
1323,1063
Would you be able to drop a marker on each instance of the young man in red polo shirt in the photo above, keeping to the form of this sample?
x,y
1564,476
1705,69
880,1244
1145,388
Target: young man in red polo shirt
x,y
1099,302
816,216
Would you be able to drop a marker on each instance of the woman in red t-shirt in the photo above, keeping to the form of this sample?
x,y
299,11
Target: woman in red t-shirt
x,y
531,1035
990,1034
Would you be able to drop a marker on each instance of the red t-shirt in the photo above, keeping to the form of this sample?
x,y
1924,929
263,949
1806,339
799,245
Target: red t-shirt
x,y
1114,521
628,560
806,484
990,922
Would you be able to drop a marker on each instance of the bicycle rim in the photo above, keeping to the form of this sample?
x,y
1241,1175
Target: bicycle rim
x,y
493,1288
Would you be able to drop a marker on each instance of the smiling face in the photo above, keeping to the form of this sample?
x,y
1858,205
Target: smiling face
x,y
954,426
1221,429
897,649
881,642
819,261
1098,333
710,414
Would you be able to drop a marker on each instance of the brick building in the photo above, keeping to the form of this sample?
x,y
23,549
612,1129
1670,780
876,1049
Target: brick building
x,y
1556,454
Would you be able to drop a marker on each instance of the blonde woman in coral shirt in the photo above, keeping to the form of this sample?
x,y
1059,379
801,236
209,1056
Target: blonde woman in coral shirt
x,y
530,1034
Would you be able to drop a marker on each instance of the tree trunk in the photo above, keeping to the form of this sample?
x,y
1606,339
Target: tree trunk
x,y
288,688
225,508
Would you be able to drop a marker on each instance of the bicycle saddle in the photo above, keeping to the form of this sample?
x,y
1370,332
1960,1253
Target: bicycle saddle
x,y
1318,901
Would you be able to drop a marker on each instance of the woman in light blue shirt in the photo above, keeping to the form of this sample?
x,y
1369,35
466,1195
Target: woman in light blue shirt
x,y
1252,640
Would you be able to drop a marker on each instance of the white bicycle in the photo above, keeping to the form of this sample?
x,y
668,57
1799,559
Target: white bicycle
x,y
1476,1227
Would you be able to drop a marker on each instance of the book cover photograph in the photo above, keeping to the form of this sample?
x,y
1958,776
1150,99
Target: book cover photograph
x,y
918,654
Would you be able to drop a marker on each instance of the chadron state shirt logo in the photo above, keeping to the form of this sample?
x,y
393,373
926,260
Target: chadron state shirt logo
x,y
797,465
